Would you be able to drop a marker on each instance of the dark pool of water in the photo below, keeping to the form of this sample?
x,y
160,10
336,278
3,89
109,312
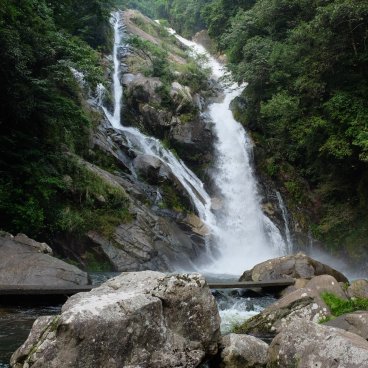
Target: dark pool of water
x,y
15,324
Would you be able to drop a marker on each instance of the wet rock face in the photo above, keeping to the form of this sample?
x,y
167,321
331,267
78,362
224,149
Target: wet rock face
x,y
22,263
182,124
297,266
145,319
151,242
305,344
152,169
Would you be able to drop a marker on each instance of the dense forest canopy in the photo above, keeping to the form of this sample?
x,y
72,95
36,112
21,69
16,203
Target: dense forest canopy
x,y
42,118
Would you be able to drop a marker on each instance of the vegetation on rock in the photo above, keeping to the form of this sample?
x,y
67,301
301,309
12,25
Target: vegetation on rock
x,y
338,306
44,120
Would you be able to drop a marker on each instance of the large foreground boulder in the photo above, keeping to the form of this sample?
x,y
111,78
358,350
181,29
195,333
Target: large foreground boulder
x,y
23,263
298,266
145,319
305,344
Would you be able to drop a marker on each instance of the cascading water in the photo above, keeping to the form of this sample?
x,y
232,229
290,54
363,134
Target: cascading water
x,y
285,217
244,235
149,145
241,232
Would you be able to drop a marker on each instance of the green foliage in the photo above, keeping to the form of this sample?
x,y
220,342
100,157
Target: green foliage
x,y
43,119
340,306
158,57
194,75
172,200
305,65
86,19
93,264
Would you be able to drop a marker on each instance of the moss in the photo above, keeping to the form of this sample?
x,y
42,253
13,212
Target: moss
x,y
340,306
93,264
104,160
93,203
173,200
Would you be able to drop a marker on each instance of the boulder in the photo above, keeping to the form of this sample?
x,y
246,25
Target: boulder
x,y
298,266
145,319
141,89
22,264
305,303
306,344
358,289
299,284
356,322
243,351
181,96
152,169
150,242
39,247
197,225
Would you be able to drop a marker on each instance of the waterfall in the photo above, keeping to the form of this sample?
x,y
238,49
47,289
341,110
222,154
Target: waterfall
x,y
149,145
285,217
244,235
118,88
240,232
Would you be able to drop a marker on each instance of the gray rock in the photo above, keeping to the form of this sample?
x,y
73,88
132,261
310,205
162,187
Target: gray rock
x,y
145,319
39,247
243,351
305,303
151,242
152,169
22,264
205,40
142,89
297,266
356,322
305,344
358,289
181,96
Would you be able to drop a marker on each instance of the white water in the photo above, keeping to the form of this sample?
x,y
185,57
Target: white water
x,y
285,217
149,145
244,235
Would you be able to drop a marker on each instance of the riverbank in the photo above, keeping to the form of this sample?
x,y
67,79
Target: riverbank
x,y
169,306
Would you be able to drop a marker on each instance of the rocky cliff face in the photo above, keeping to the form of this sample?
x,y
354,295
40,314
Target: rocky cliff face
x,y
162,230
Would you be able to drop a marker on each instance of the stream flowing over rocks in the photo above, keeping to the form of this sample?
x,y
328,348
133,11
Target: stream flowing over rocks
x,y
145,319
